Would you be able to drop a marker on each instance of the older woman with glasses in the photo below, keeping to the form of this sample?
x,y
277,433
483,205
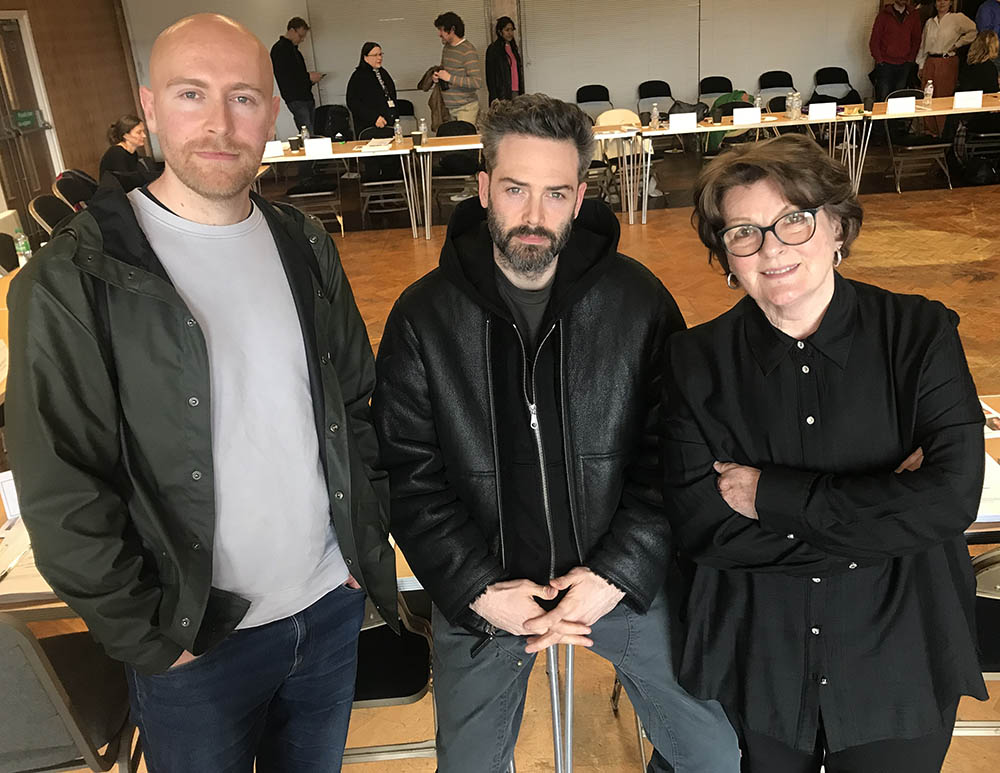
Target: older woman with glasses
x,y
371,92
823,455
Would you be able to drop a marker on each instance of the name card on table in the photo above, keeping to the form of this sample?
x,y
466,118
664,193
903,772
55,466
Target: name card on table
x,y
966,99
900,106
272,149
822,111
319,146
745,116
683,122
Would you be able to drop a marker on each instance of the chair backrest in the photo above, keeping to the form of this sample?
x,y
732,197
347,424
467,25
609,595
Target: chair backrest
x,y
43,729
832,82
332,120
593,92
776,104
617,116
8,253
372,132
74,190
456,129
774,83
713,87
654,91
82,175
404,107
49,210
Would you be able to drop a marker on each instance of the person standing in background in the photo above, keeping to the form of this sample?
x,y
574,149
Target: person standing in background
x,y
371,92
460,69
894,43
937,58
504,66
988,18
295,81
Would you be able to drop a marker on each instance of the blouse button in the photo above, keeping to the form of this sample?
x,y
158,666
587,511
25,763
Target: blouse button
x,y
810,420
815,631
800,344
823,680
805,368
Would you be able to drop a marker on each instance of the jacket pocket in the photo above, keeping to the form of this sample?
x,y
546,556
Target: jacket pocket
x,y
601,479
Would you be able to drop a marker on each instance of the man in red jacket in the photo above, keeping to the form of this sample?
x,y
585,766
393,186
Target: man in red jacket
x,y
894,43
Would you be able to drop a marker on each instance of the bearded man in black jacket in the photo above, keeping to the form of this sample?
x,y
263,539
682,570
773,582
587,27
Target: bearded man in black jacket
x,y
517,410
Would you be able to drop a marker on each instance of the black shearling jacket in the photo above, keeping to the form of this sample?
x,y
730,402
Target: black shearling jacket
x,y
436,411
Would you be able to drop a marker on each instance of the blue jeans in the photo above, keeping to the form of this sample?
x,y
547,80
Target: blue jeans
x,y
480,700
890,78
280,693
304,114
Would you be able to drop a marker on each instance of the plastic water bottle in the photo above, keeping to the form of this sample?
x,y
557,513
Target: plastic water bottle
x,y
22,247
654,117
928,94
423,126
397,132
304,132
758,101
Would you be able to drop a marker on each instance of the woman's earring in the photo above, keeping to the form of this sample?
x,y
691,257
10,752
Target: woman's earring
x,y
731,281
838,257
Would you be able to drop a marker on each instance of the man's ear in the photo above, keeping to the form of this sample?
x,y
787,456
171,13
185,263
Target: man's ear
x,y
580,191
148,108
484,189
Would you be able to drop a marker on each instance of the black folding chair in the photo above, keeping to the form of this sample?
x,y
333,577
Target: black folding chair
x,y
49,210
712,87
594,99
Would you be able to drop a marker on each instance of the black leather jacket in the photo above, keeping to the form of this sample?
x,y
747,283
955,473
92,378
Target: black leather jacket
x,y
436,414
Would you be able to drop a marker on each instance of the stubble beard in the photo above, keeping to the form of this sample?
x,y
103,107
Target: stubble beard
x,y
529,260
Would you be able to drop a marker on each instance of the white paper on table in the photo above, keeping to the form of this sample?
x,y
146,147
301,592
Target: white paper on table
x,y
989,505
745,116
9,495
273,148
964,99
822,111
683,122
319,146
900,106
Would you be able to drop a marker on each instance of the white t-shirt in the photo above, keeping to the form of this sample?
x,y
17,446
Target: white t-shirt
x,y
274,543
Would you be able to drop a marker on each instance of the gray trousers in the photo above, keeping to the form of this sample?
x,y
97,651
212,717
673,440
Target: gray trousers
x,y
480,700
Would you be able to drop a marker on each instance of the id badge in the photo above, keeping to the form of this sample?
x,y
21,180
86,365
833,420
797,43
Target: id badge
x,y
391,103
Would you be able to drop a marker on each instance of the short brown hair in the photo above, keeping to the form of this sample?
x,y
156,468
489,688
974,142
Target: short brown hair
x,y
537,115
984,48
297,23
803,172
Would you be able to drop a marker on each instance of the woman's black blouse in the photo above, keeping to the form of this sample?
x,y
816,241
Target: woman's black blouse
x,y
366,98
853,595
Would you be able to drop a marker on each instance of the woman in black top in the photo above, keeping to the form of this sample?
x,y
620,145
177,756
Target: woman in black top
x,y
980,74
823,455
504,67
126,136
371,94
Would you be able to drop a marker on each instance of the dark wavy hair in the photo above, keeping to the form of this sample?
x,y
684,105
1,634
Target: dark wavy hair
x,y
121,127
502,22
806,176
365,50
450,21
537,115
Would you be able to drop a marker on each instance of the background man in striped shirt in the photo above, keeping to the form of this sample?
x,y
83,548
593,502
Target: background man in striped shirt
x,y
460,69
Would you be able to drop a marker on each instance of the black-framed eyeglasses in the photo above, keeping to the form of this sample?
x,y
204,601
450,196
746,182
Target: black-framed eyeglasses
x,y
744,240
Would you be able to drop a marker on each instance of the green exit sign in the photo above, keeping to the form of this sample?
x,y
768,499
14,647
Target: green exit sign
x,y
25,119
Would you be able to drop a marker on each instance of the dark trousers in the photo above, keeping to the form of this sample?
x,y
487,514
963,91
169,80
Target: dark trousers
x,y
925,754
304,114
890,78
280,693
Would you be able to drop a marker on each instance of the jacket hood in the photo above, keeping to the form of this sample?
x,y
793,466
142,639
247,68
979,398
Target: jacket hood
x,y
467,256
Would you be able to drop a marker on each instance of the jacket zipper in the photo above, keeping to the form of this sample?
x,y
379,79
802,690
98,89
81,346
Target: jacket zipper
x,y
537,431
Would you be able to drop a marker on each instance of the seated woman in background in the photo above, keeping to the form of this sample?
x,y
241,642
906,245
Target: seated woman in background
x,y
371,93
504,68
823,455
980,74
126,136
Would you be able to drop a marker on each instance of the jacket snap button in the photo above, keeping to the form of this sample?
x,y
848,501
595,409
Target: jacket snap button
x,y
196,475
319,293
334,428
193,402
190,322
185,622
131,275
313,240
347,561
195,546
338,495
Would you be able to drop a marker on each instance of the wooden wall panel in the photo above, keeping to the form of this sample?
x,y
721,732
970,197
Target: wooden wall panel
x,y
86,72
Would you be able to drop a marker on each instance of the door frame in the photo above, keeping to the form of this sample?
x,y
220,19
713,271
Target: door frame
x,y
28,38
